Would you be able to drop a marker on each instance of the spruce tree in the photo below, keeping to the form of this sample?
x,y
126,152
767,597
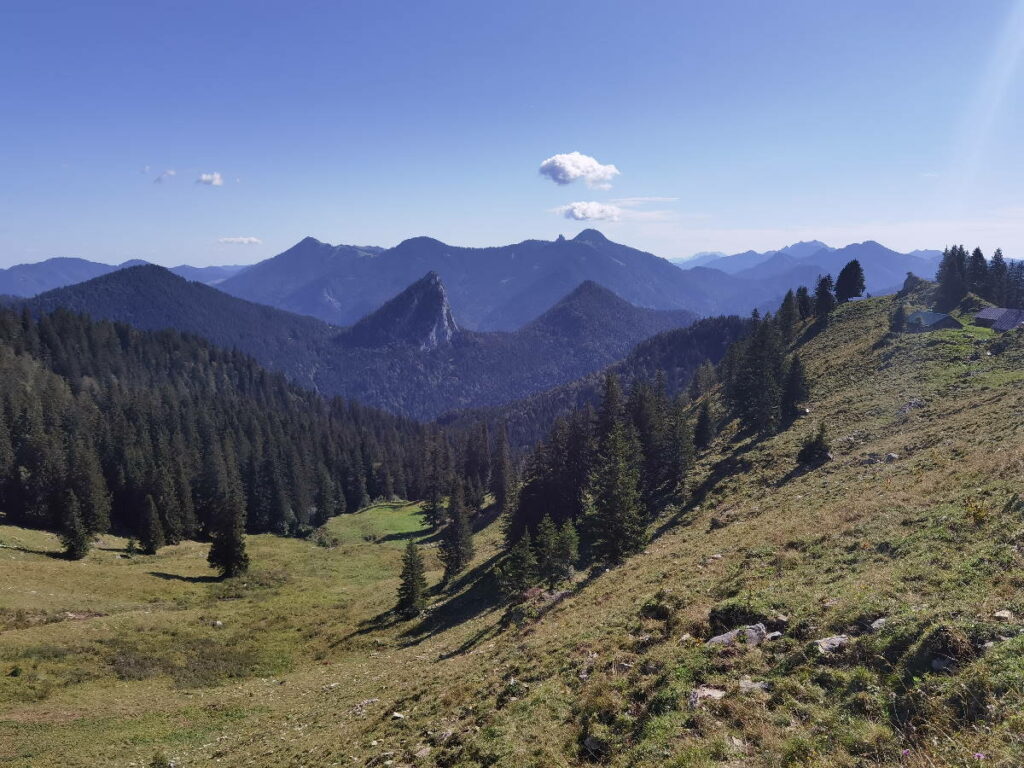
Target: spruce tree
x,y
997,279
517,572
151,532
227,551
457,537
680,450
73,534
795,391
557,550
413,588
898,319
977,274
704,429
804,303
617,518
951,276
612,407
502,478
703,380
824,300
788,316
90,487
850,282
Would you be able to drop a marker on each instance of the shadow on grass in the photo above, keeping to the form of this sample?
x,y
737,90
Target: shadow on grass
x,y
190,579
428,536
43,552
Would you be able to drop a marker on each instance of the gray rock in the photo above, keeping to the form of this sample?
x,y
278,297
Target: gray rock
x,y
751,686
772,636
752,635
704,693
1003,615
891,457
834,644
878,624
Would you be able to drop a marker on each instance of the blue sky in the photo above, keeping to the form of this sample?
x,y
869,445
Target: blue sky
x,y
752,124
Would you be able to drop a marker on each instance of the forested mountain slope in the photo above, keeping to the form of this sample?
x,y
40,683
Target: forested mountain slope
x,y
916,520
409,356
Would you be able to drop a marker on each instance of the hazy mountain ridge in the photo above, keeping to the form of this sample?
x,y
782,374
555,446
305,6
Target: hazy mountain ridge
x,y
38,277
408,356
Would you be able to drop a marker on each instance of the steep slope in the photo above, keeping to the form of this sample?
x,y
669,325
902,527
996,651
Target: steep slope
x,y
614,670
409,356
419,316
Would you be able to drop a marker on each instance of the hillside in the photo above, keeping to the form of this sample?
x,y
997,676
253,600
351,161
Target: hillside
x,y
498,288
408,356
615,670
35,278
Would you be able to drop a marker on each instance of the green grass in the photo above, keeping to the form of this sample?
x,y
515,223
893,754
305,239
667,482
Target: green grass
x,y
308,667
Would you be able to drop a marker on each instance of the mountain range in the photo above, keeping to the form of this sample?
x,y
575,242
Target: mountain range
x,y
38,277
802,262
409,355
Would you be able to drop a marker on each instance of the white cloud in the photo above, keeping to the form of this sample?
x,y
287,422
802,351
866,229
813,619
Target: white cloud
x,y
567,168
590,211
168,174
240,240
210,179
634,202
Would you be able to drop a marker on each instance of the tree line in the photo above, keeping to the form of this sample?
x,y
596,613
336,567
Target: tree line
x,y
996,280
592,486
161,437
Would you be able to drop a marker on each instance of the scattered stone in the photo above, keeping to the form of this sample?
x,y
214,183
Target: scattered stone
x,y
911,405
422,752
1003,615
891,457
705,693
622,666
834,644
218,624
878,624
772,636
716,523
750,686
752,635
397,716
715,557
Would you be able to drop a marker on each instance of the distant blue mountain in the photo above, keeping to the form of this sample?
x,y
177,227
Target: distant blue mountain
x,y
31,279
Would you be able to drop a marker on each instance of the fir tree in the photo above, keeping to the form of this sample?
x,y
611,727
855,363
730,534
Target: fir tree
x,y
850,282
73,534
703,380
951,276
788,316
227,552
557,550
151,532
617,519
680,451
457,537
824,300
413,588
804,303
795,391
518,571
612,407
704,430
898,319
502,478
90,488
977,274
998,279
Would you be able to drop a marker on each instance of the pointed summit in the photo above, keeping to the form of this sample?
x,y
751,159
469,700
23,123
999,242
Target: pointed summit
x,y
419,316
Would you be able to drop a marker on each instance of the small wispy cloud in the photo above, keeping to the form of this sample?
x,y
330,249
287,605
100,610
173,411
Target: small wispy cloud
x,y
210,179
240,240
590,211
572,166
170,173
634,202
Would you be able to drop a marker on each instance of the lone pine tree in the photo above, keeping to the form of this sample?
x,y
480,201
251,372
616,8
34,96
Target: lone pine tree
x,y
227,552
413,588
456,538
850,282
73,534
151,532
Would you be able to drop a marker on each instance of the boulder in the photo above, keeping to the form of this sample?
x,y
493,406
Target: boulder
x,y
705,693
834,644
878,624
752,636
1003,615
